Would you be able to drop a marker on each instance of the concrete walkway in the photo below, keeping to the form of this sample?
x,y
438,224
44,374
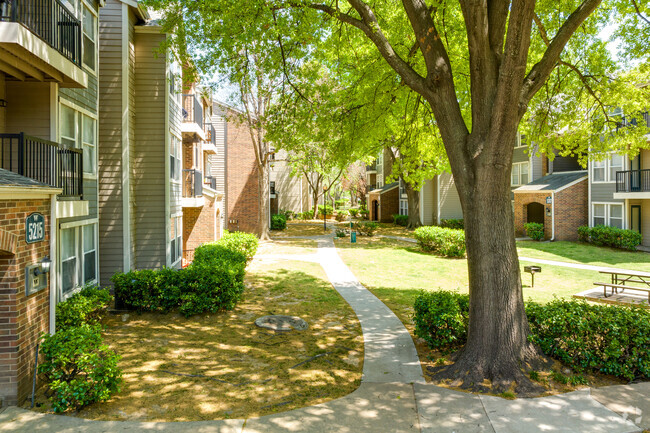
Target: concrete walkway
x,y
393,396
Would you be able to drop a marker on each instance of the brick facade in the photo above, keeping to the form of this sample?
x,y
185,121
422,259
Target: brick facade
x,y
22,319
571,211
242,192
388,205
200,225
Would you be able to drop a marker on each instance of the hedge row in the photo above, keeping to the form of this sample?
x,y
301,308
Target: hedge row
x,y
458,224
610,237
607,339
278,222
400,220
78,368
213,282
443,241
535,231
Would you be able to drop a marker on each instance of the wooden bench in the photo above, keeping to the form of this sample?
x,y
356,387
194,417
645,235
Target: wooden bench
x,y
616,287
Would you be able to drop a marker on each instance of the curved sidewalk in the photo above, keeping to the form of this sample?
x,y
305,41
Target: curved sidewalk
x,y
393,396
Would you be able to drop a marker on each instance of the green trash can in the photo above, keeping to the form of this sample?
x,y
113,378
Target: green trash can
x,y
353,237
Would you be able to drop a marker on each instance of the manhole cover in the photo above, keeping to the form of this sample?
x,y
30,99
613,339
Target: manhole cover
x,y
281,323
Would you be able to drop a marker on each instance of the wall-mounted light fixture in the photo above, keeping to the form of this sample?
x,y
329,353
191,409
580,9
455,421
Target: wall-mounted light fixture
x,y
44,268
3,103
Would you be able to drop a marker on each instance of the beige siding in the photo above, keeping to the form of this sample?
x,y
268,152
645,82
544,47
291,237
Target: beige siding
x,y
151,157
449,201
132,123
428,202
287,186
28,109
645,222
110,141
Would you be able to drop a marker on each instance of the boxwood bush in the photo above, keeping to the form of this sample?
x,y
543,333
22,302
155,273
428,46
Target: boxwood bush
x,y
87,306
443,241
452,223
278,222
353,212
599,338
441,318
535,231
610,236
213,282
607,339
78,368
367,228
400,220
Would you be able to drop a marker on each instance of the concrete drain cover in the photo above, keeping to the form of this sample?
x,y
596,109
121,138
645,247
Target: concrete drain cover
x,y
281,323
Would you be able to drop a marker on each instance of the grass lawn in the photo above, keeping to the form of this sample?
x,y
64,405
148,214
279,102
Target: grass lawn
x,y
288,246
218,366
302,228
587,254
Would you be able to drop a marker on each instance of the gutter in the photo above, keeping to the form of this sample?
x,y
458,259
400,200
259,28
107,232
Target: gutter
x,y
53,267
552,216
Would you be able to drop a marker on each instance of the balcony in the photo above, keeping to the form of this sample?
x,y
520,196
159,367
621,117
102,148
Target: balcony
x,y
41,41
643,118
211,182
371,168
632,184
192,188
209,145
193,116
44,161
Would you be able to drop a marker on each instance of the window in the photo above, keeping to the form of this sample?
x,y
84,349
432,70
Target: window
x,y
78,256
605,170
79,131
521,140
403,207
89,36
402,188
607,214
380,181
88,143
176,244
380,166
175,158
519,174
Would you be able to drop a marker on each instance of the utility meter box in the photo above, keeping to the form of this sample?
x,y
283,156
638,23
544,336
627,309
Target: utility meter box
x,y
34,282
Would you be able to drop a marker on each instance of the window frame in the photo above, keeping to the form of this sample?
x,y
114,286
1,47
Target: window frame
x,y
80,257
404,207
78,140
607,167
518,166
95,18
607,206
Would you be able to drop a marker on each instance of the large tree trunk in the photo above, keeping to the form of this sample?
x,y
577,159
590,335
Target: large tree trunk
x,y
264,202
497,347
413,198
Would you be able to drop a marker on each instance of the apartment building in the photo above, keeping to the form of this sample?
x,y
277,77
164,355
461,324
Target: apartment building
x,y
140,212
287,192
48,172
201,201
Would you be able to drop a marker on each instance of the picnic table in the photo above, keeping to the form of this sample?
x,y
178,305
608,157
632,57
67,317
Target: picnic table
x,y
621,279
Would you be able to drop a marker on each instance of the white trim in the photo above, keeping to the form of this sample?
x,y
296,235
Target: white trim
x,y
167,165
520,164
438,199
18,192
177,215
126,166
54,112
53,276
631,195
608,213
151,29
553,216
72,208
79,223
80,109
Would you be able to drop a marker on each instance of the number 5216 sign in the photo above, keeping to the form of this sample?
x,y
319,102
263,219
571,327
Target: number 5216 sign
x,y
34,228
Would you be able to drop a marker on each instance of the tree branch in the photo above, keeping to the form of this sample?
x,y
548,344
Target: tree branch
x,y
542,69
638,12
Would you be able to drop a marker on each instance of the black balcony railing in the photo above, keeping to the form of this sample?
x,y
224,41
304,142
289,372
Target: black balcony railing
x,y
192,109
633,181
50,20
641,118
192,183
44,161
371,167
211,181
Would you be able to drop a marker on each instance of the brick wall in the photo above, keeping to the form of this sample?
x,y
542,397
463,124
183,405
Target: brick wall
x,y
373,215
199,225
22,319
242,194
389,205
571,211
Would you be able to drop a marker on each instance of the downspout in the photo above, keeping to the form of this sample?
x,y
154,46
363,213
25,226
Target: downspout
x,y
53,276
552,216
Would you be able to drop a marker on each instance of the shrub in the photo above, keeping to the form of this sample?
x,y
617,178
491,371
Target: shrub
x,y
78,368
138,289
87,306
340,203
458,224
353,212
441,318
400,220
535,231
278,222
608,339
327,208
209,288
610,236
341,215
446,242
245,243
306,215
288,214
341,233
364,213
366,229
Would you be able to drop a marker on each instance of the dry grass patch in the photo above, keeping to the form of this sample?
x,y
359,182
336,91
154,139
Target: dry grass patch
x,y
303,228
219,366
288,246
